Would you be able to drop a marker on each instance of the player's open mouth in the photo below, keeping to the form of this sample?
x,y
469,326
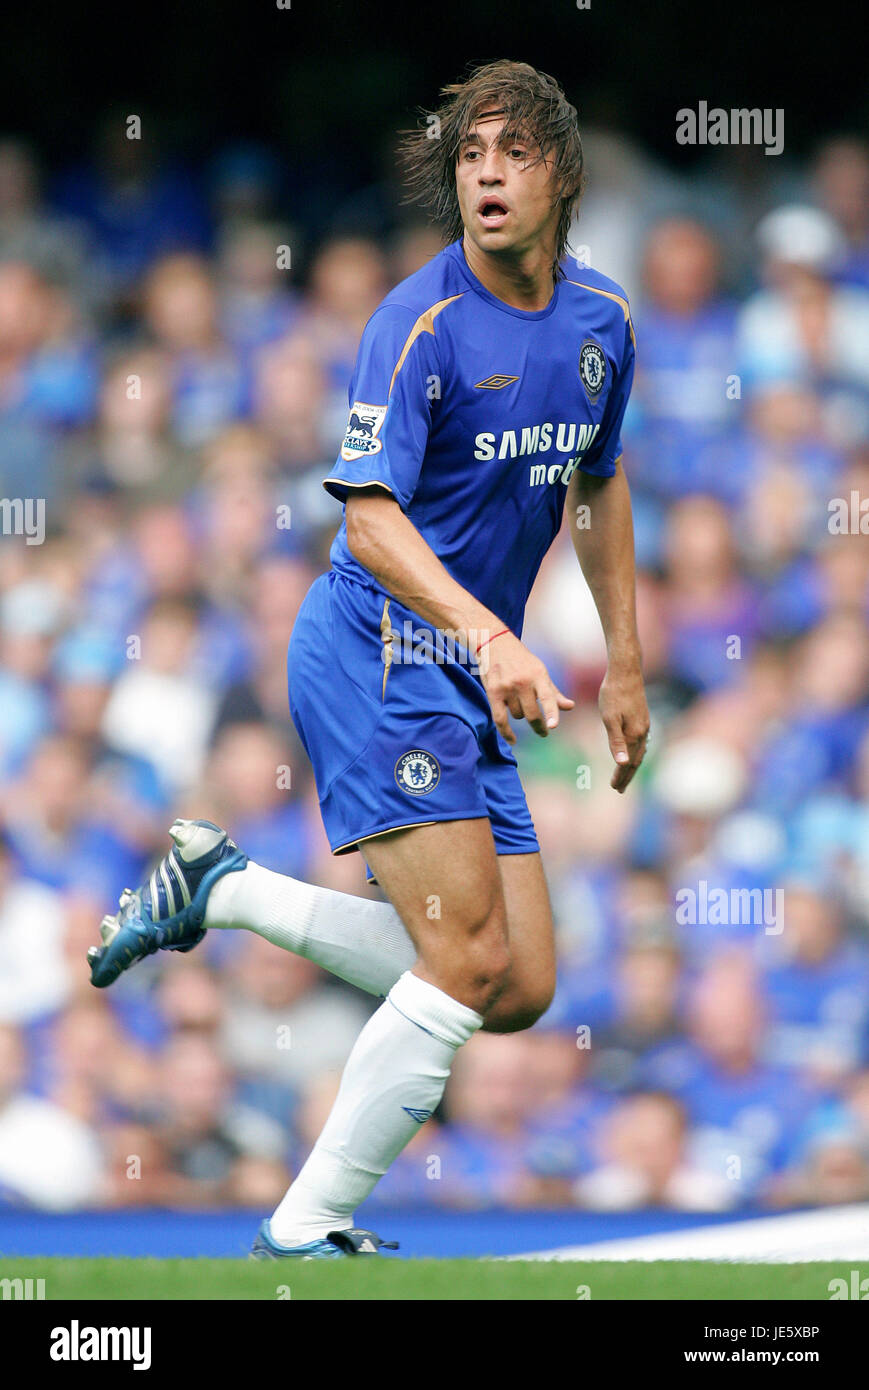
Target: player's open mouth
x,y
492,212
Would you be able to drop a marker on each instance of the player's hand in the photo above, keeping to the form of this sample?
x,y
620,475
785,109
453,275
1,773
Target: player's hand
x,y
625,714
518,683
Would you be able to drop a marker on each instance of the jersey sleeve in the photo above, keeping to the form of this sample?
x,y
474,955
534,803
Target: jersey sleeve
x,y
390,409
602,457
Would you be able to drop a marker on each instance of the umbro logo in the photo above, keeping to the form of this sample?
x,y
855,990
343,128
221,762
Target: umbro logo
x,y
419,1115
495,383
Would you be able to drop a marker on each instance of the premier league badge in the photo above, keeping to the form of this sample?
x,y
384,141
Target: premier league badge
x,y
592,368
363,428
417,772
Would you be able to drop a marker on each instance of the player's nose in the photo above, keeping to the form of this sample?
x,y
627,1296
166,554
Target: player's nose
x,y
490,168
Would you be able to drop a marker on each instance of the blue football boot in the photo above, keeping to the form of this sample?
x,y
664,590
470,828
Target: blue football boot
x,y
335,1246
167,912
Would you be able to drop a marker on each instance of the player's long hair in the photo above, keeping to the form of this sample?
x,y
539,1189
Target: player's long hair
x,y
533,105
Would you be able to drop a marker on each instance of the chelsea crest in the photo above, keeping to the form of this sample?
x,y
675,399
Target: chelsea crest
x,y
592,368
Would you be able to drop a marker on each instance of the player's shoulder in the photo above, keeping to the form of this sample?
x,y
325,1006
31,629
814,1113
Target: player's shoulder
x,y
428,290
585,277
581,281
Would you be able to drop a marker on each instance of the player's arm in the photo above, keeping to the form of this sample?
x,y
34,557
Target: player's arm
x,y
385,541
604,545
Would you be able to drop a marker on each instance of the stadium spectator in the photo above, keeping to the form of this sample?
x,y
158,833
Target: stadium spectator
x,y
487,1098
159,677
646,1162
134,207
818,987
681,399
29,230
646,1012
132,446
34,981
803,327
257,304
204,1131
708,598
207,381
51,825
841,181
565,1114
744,1112
48,1158
290,401
283,1024
250,781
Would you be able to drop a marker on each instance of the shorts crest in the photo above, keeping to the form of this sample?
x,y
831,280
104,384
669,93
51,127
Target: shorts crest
x,y
417,772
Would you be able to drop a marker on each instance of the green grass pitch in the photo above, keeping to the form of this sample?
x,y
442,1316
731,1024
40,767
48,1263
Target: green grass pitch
x,y
390,1279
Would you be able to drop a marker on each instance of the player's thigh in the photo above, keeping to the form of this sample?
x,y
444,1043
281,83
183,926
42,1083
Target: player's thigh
x,y
444,882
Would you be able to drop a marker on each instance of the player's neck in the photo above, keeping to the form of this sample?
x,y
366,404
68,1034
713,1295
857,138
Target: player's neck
x,y
524,282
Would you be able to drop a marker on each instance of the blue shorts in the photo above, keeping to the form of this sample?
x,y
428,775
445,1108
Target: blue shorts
x,y
408,743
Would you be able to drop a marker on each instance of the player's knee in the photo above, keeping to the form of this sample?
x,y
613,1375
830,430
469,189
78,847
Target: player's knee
x,y
485,963
521,1005
486,974
520,1017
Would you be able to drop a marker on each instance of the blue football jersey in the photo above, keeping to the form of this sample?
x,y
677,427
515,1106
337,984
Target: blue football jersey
x,y
475,415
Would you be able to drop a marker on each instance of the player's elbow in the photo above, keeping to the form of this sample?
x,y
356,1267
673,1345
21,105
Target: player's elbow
x,y
365,518
358,538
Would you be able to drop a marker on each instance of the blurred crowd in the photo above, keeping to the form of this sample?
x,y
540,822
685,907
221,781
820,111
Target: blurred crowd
x,y
175,353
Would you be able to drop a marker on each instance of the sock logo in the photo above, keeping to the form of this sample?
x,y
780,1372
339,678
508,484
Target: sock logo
x,y
419,1115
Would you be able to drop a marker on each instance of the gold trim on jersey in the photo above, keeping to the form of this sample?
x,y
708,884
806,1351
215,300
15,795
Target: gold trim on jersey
x,y
424,324
354,844
616,298
387,637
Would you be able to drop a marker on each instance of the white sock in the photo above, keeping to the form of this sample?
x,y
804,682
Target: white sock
x,y
394,1079
361,941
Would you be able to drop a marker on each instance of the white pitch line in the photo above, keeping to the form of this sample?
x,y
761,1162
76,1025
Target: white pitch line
x,y
834,1233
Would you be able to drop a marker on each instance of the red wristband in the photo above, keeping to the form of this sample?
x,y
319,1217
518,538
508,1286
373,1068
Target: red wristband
x,y
490,639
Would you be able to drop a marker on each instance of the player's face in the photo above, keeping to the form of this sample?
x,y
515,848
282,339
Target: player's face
x,y
508,204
